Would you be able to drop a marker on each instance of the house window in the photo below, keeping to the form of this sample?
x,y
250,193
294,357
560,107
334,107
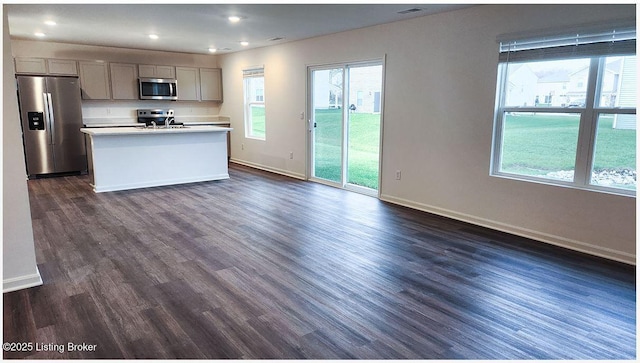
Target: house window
x,y
360,98
566,110
254,110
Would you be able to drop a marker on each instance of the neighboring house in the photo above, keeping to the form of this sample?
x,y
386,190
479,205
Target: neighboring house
x,y
364,89
522,86
551,88
560,88
627,95
327,89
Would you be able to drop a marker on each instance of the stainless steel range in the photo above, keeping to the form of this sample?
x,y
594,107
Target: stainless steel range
x,y
157,117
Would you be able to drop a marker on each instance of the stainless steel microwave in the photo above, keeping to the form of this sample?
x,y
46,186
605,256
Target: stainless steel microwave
x,y
158,89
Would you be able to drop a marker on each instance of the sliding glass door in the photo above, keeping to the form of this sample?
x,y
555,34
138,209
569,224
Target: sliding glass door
x,y
328,130
345,123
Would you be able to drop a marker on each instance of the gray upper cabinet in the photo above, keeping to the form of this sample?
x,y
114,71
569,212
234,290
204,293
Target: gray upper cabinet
x,y
155,71
188,84
62,67
94,80
26,65
101,80
124,81
199,84
211,84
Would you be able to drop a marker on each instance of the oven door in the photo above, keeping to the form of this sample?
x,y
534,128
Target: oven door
x,y
158,89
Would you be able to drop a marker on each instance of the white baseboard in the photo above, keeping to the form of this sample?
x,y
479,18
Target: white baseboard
x,y
22,282
519,231
269,169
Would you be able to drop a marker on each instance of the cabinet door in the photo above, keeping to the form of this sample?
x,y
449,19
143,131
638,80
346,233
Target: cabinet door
x,y
62,66
188,84
31,65
124,81
165,71
94,81
146,71
211,84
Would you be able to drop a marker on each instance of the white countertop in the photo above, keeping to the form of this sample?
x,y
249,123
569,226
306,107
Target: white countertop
x,y
137,124
103,131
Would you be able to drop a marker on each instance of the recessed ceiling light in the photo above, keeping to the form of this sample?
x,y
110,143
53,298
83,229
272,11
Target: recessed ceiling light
x,y
244,44
234,19
50,22
39,34
213,50
153,36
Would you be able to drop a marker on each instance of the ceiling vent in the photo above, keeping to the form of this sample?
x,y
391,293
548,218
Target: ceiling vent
x,y
409,11
275,39
223,49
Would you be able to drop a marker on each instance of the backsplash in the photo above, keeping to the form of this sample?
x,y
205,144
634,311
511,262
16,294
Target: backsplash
x,y
124,112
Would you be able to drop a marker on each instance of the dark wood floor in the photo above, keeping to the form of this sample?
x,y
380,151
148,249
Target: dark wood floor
x,y
263,266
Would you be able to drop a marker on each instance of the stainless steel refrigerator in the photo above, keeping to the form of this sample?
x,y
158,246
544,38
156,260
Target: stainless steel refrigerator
x,y
51,113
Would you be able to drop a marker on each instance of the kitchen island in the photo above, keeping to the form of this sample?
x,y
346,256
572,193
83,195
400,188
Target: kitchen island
x,y
123,158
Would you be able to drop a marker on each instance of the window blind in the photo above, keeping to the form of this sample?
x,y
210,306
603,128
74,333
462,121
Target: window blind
x,y
614,41
253,72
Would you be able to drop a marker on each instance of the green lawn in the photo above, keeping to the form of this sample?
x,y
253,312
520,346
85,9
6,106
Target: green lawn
x,y
257,122
363,150
535,144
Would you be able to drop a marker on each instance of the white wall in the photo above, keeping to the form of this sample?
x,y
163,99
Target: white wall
x,y
438,117
19,269
119,111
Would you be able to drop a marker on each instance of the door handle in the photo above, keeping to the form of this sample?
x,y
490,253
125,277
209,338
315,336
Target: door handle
x,y
52,121
47,120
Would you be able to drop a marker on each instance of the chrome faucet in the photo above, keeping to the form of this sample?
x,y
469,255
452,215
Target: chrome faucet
x,y
167,123
154,124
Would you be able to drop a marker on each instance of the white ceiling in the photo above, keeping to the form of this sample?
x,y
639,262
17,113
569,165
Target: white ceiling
x,y
194,28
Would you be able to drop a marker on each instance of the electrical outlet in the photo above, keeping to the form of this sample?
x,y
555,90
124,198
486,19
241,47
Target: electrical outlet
x,y
291,155
398,174
243,146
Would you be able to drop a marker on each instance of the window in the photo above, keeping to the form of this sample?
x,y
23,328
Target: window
x,y
566,110
259,95
254,111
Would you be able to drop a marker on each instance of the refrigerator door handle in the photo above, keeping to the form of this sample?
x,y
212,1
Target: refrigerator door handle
x,y
52,121
47,121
